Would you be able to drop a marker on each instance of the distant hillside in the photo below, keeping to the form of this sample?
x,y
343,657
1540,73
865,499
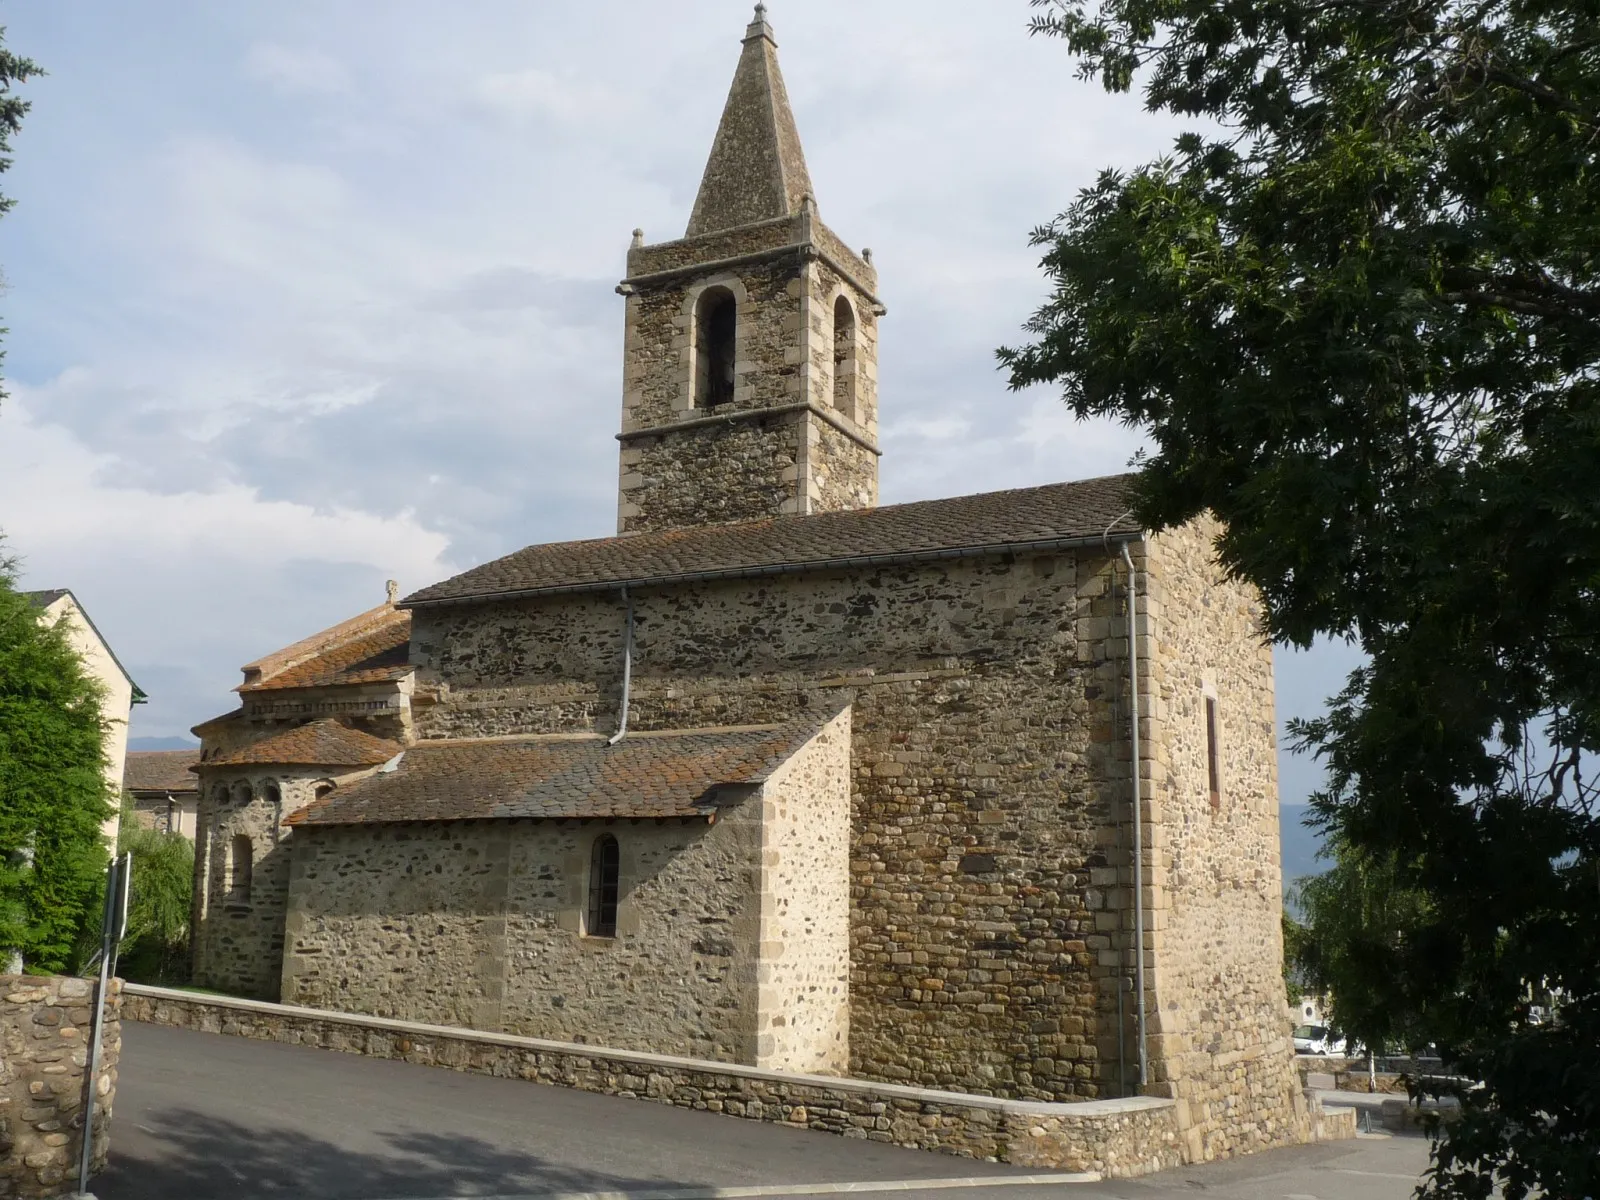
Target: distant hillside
x,y
162,743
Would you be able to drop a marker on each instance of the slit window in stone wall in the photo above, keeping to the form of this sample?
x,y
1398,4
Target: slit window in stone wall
x,y
605,871
716,324
846,360
241,867
1213,762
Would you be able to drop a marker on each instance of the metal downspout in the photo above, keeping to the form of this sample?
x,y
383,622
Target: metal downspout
x,y
1138,813
627,672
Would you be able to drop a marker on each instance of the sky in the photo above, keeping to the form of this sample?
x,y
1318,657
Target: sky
x,y
308,295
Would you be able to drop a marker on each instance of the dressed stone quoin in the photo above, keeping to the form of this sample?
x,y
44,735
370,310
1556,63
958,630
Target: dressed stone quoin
x,y
777,776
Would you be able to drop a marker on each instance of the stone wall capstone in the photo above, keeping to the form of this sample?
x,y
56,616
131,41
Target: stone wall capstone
x,y
45,1023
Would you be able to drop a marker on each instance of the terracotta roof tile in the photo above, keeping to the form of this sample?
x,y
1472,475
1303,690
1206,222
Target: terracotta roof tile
x,y
324,743
377,654
160,770
930,528
669,774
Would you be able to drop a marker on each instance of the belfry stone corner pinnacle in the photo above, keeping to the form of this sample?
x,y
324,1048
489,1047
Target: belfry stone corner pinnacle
x,y
757,170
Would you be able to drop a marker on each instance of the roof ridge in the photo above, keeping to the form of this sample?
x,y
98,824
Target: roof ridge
x,y
334,636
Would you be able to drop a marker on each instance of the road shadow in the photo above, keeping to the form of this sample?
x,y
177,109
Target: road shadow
x,y
193,1156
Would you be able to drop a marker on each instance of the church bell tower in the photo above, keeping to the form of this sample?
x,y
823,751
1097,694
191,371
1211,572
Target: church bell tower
x,y
750,357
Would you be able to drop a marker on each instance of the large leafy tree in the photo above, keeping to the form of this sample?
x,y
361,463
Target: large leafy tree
x,y
13,70
1358,312
53,791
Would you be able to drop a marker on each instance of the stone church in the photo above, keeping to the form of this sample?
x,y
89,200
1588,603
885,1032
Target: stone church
x,y
777,776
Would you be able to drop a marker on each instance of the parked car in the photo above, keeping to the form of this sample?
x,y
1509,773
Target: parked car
x,y
1313,1039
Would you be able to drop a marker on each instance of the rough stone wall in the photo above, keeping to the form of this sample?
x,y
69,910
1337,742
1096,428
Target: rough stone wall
x,y
1115,1138
237,941
803,983
45,1025
479,924
983,750
731,471
1220,1043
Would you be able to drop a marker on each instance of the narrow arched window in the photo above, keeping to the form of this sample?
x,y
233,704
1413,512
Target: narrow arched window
x,y
242,794
241,867
716,323
605,863
845,358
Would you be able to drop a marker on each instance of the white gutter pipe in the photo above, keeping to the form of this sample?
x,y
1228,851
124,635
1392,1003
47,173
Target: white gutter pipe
x,y
1138,812
627,672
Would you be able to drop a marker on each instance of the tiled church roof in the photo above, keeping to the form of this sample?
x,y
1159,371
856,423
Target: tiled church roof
x,y
160,770
371,648
324,743
1061,512
646,775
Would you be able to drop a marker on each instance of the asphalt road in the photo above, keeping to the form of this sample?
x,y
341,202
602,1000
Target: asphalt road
x,y
207,1117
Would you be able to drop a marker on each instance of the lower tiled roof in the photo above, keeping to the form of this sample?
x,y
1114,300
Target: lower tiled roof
x,y
987,522
324,743
160,770
669,774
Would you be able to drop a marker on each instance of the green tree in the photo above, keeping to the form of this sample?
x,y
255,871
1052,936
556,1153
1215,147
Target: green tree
x,y
13,70
53,791
1358,312
155,948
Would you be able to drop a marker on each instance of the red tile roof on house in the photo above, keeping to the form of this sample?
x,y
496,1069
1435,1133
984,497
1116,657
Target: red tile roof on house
x,y
371,648
324,743
555,777
160,771
991,522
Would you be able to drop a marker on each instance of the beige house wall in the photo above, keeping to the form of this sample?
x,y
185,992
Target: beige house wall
x,y
116,704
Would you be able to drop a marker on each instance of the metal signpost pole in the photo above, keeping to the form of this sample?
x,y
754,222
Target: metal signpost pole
x,y
114,920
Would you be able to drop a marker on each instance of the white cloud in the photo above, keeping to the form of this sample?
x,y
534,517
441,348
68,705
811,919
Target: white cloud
x,y
534,92
300,71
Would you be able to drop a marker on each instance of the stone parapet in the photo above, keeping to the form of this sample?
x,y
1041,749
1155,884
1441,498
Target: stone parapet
x,y
1106,1138
44,1039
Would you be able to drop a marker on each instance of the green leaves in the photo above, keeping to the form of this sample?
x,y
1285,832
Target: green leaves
x,y
53,792
1359,317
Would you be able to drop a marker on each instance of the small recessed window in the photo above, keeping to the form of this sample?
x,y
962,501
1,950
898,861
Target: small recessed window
x,y
605,862
1213,760
716,341
241,868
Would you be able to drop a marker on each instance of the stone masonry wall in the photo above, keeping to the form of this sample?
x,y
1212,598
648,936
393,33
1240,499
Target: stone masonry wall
x,y
238,941
479,924
803,980
1113,1138
45,1024
1221,1032
982,788
733,469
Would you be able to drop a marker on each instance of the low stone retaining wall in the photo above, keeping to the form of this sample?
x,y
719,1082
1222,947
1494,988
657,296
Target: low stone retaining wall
x,y
1105,1138
44,1054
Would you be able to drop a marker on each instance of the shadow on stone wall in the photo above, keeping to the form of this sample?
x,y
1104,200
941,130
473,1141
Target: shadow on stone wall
x,y
202,1157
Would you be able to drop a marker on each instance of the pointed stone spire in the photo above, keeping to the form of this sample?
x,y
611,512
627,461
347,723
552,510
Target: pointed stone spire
x,y
757,170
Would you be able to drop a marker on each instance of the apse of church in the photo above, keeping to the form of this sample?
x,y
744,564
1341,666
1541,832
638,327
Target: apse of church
x,y
750,360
